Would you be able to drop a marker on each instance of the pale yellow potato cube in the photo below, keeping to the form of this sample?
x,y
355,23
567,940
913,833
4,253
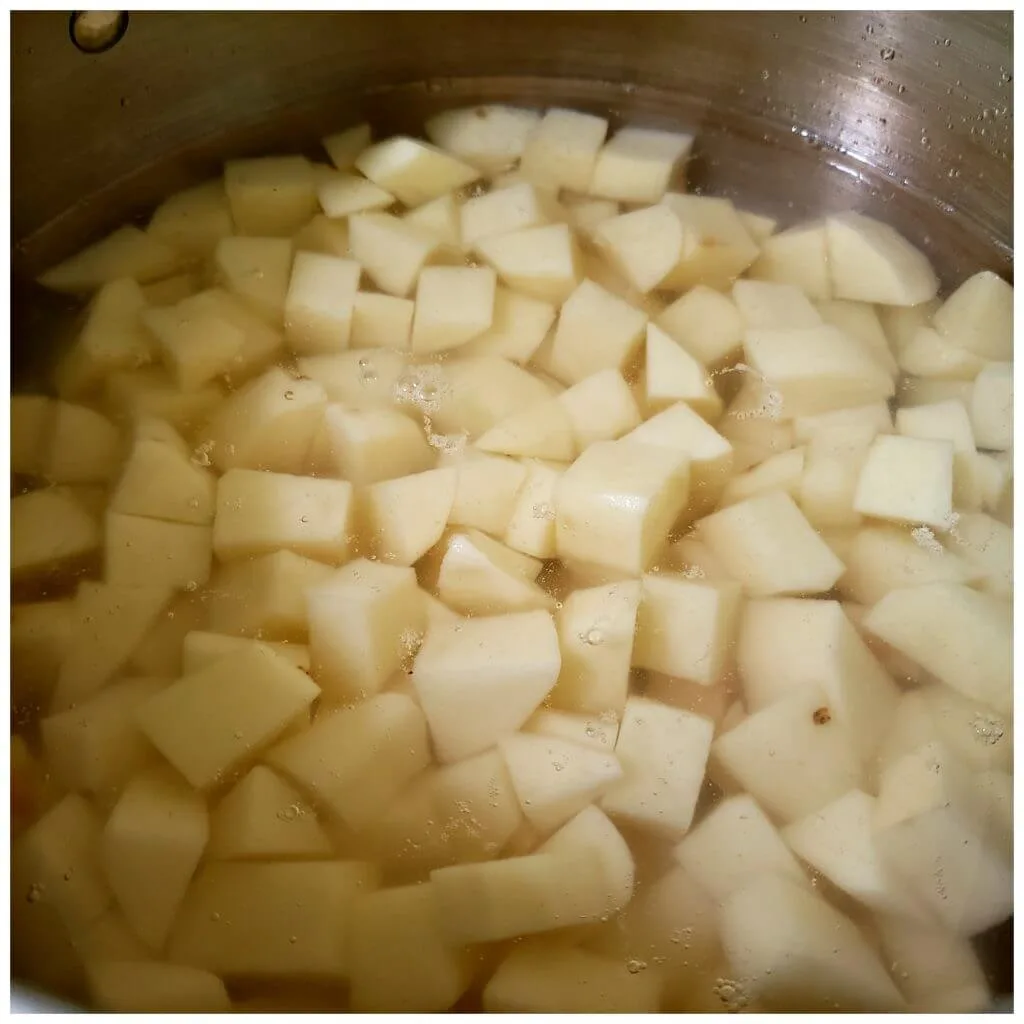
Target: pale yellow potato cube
x,y
343,194
141,552
49,529
642,245
159,653
672,375
490,137
697,652
793,756
440,218
543,262
754,424
861,321
406,516
931,356
542,431
732,845
531,528
828,487
796,952
597,731
637,164
844,430
271,195
502,211
319,306
126,252
83,447
113,336
359,379
210,722
193,220
122,986
482,680
692,557
764,304
370,445
200,648
991,407
268,922
562,149
986,545
381,321
759,226
616,503
486,489
797,256
354,761
706,323
40,635
362,624
323,235
601,407
907,480
901,323
978,316
268,424
453,306
413,170
391,251
343,147
766,544
150,391
31,421
519,325
171,289
256,270
782,472
259,513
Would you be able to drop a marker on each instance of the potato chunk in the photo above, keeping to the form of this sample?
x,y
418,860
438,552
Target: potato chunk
x,y
369,445
319,306
391,251
991,407
637,164
543,262
120,986
706,323
490,137
643,246
453,306
413,170
83,447
502,211
406,516
978,316
797,256
485,490
49,529
380,320
671,375
561,150
518,327
344,194
31,421
271,195
601,407
257,271
343,147
141,552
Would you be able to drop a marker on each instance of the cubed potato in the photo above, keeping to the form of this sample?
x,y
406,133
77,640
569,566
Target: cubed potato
x,y
766,304
616,503
363,622
323,235
343,147
193,220
782,472
271,195
978,316
264,597
150,391
542,431
601,407
264,818
485,491
793,951
928,355
208,723
354,761
946,421
453,306
277,921
342,194
268,424
406,516
113,336
440,218
370,445
844,430
200,648
502,211
126,252
40,635
986,545
706,323
256,270
860,320
360,379
554,779
562,149
490,137
754,425
259,513
767,545
797,256
519,324
83,446
637,164
539,978
597,731
543,262
759,225
381,321
930,829
482,680
672,375
693,559
391,251
663,752
120,986
793,756
907,479
734,844
643,246
901,323
31,422
110,622
49,530
320,303
398,957
141,552
152,844
171,289
413,170
871,262
991,407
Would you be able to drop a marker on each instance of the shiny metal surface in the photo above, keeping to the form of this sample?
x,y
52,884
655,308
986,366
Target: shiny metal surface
x,y
905,115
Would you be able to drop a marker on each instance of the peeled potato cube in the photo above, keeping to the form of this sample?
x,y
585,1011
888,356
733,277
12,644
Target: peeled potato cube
x,y
642,245
672,375
41,632
490,137
753,424
407,515
355,760
440,218
414,171
501,211
270,195
391,251
531,528
359,379
381,321
362,623
118,986
31,421
318,308
596,731
542,431
343,147
986,545
83,446
601,407
716,245
907,479
193,220
782,472
518,327
932,357
211,721
322,235
481,680
706,323
343,194
150,391
113,336
797,256
49,529
141,552
860,320
978,316
199,648
375,444
562,149
764,304
637,164
256,270
615,504
542,262
485,491
991,407
453,305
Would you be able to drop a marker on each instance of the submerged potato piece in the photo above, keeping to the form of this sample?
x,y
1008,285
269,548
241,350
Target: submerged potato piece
x,y
31,421
542,431
637,164
41,632
193,220
764,304
113,336
83,446
380,320
123,986
406,516
531,528
597,731
562,149
257,271
542,262
196,343
485,490
706,323
642,245
391,251
991,407
671,375
413,170
141,552
491,136
797,256
343,194
320,304
501,211
453,306
782,472
49,529
369,445
273,195
440,218
199,648
601,407
150,391
978,316
986,545
343,147
519,325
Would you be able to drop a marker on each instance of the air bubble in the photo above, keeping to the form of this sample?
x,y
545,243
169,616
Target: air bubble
x,y
592,637
887,53
635,966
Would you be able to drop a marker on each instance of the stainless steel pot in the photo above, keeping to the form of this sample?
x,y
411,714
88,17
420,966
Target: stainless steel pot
x,y
904,115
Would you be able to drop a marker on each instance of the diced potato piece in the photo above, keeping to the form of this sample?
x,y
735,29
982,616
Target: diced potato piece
x,y
31,421
716,246
562,149
268,424
110,622
931,831
617,502
343,147
782,472
406,516
671,375
991,407
399,960
794,951
732,845
754,426
257,270
519,325
986,545
360,379
542,431
259,513
270,195
322,235
119,986
440,218
319,305
271,921
354,761
642,245
453,305
208,723
797,256
928,355
860,320
637,164
363,621
945,421
663,752
501,211
83,446
597,731
391,251
490,137
113,336
694,560
543,261
49,529
829,483
978,316
706,323
140,552
381,321
343,194
370,445
413,170
540,978
907,479
485,491
871,262
171,289
127,252
531,528
481,680
764,304
601,407
193,220
767,545
794,756
264,597
150,391
40,635
200,648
